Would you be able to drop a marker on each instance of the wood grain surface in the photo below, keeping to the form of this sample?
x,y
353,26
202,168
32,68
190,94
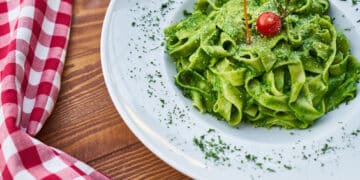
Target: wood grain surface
x,y
85,123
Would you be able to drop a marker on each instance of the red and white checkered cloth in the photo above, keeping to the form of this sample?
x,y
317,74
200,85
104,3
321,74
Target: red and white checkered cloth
x,y
33,40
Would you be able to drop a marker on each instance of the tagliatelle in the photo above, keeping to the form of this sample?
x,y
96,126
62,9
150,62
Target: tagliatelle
x,y
289,80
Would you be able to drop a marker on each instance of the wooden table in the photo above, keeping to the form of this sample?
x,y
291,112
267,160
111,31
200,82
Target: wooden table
x,y
85,123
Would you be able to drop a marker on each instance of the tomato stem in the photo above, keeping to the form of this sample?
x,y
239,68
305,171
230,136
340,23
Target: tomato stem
x,y
283,11
287,6
248,33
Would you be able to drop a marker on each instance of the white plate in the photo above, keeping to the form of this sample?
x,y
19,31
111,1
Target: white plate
x,y
139,77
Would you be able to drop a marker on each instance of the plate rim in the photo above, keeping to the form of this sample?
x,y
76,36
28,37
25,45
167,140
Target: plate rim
x,y
120,108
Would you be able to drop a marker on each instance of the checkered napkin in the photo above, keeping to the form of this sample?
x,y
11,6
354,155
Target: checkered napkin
x,y
33,40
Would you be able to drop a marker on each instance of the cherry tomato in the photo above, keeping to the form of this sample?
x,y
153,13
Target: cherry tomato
x,y
268,24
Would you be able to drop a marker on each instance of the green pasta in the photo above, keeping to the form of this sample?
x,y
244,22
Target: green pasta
x,y
289,80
